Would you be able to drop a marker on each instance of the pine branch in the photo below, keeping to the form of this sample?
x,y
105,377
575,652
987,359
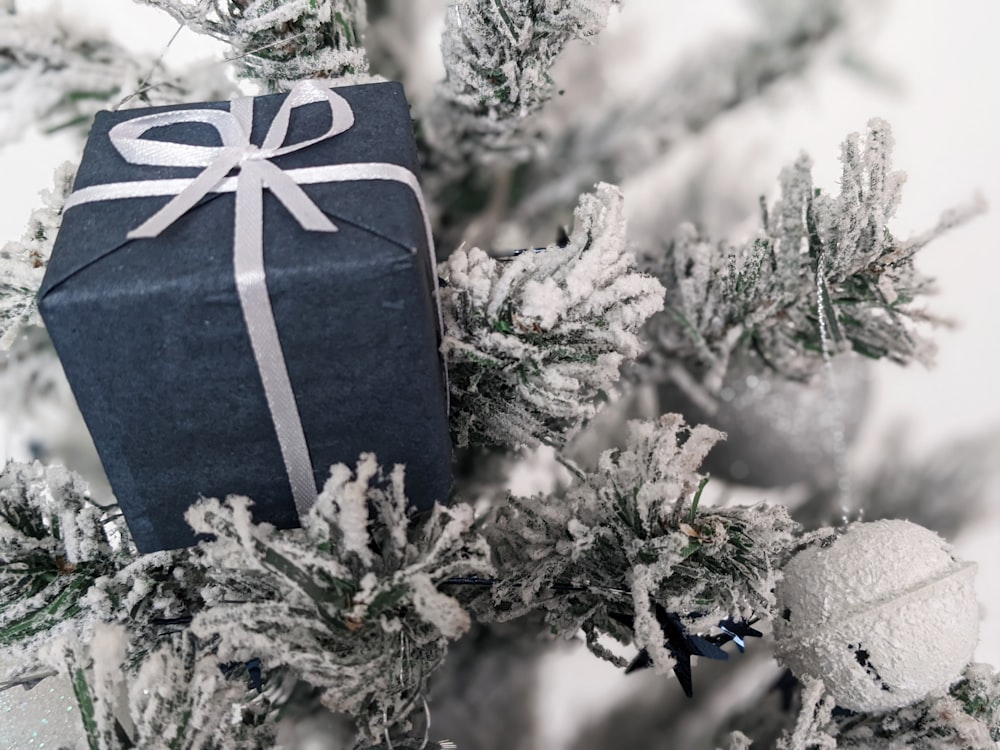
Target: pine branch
x,y
764,294
281,42
814,715
627,138
631,539
533,343
54,544
70,582
22,262
54,76
497,56
346,603
968,716
178,698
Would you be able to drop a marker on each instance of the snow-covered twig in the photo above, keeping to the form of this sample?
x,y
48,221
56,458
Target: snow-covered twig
x,y
763,294
22,262
630,538
497,56
54,75
532,343
281,42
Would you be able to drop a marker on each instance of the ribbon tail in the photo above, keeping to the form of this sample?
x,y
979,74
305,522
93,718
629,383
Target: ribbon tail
x,y
294,198
251,285
185,200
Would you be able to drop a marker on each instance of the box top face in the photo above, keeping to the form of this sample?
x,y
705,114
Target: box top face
x,y
381,132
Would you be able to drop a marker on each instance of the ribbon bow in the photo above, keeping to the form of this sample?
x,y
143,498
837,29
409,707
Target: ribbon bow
x,y
256,172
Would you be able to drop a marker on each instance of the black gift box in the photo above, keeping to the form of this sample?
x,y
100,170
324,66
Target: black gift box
x,y
155,346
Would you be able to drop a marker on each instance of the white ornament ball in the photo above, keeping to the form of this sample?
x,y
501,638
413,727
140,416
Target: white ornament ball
x,y
884,615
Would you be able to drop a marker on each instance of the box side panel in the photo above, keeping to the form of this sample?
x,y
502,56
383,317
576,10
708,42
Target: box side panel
x,y
154,344
359,328
166,380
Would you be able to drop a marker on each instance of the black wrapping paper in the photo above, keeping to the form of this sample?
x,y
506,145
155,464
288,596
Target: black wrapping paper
x,y
152,337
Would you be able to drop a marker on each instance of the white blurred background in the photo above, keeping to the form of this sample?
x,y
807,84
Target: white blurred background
x,y
939,66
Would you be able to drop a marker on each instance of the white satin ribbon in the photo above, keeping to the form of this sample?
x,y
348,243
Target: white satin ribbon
x,y
256,172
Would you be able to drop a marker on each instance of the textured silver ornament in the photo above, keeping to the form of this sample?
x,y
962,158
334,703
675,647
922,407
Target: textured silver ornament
x,y
884,615
778,431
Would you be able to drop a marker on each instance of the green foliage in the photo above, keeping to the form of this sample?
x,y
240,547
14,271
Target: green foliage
x,y
497,56
823,267
534,343
22,262
54,544
630,536
362,602
979,693
349,603
180,698
281,42
153,644
966,717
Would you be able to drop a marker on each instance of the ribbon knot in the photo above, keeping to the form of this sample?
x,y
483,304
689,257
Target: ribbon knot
x,y
255,171
253,153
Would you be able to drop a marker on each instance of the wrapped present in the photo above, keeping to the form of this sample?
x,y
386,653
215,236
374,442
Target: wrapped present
x,y
243,294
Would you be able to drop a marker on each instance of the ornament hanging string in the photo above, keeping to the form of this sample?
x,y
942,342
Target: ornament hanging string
x,y
146,85
835,413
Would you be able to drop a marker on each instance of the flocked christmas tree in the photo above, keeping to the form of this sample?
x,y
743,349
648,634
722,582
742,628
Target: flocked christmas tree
x,y
605,363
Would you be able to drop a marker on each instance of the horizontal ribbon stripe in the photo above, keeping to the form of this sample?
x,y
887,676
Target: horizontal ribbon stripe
x,y
301,176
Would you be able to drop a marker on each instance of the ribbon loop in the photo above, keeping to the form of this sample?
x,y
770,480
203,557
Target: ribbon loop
x,y
127,138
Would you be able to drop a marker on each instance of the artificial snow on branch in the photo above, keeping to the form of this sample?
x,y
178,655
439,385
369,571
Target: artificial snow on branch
x,y
281,42
533,343
179,696
497,57
54,544
824,274
76,596
967,716
630,539
22,262
814,714
348,603
54,75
